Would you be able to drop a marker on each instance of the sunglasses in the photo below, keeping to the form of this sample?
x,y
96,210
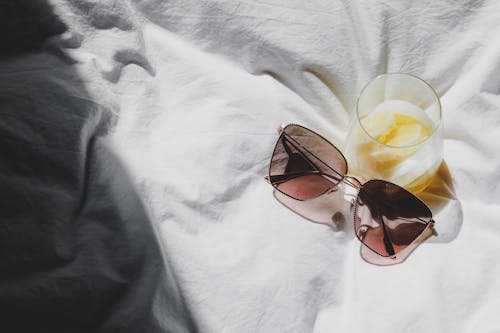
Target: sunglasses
x,y
305,166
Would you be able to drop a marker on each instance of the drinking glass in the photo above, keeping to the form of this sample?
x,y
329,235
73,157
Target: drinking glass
x,y
396,132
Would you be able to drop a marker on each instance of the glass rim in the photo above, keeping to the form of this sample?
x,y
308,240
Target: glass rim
x,y
436,96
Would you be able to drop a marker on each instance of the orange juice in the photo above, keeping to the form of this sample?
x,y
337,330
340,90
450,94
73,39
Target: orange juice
x,y
392,143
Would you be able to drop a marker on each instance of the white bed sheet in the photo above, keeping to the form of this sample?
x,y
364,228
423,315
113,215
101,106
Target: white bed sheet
x,y
192,92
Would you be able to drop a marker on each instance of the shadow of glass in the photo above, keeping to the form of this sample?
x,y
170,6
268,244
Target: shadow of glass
x,y
78,252
333,209
441,198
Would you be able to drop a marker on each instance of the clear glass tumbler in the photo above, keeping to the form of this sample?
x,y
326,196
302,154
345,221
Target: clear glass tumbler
x,y
396,132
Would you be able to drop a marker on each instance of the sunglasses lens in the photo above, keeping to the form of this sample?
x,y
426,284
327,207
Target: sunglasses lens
x,y
304,165
388,218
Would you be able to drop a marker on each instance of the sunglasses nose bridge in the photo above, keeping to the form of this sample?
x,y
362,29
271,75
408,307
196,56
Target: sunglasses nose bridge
x,y
352,181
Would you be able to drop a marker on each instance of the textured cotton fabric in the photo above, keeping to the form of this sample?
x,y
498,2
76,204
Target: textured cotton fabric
x,y
134,137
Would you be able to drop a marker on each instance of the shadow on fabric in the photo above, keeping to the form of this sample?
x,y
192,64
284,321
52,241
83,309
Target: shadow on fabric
x,y
78,252
333,210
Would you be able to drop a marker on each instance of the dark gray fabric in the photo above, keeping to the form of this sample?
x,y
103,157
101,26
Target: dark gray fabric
x,y
78,252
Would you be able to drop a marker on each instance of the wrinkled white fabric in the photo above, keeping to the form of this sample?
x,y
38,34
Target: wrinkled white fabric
x,y
194,91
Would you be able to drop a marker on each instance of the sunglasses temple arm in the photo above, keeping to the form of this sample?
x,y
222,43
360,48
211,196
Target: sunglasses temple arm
x,y
285,145
276,179
288,150
387,241
431,221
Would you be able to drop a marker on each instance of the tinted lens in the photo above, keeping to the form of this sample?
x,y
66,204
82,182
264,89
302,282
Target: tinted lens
x,y
304,165
388,218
